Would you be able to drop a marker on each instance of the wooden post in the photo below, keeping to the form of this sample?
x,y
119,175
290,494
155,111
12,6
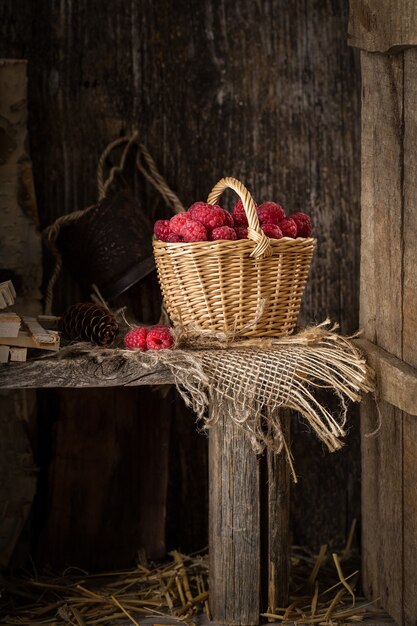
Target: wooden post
x,y
389,298
236,524
276,524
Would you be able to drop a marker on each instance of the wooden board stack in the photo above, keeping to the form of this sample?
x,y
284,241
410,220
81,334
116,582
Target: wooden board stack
x,y
17,333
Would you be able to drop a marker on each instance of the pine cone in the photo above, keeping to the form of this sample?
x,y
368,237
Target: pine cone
x,y
89,322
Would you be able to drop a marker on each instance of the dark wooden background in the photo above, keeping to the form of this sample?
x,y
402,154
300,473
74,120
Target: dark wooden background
x,y
264,91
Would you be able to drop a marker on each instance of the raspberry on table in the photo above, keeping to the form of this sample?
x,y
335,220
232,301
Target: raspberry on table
x,y
211,216
223,232
270,213
161,229
228,219
303,223
194,231
240,220
159,338
241,232
173,238
272,231
177,222
135,339
288,227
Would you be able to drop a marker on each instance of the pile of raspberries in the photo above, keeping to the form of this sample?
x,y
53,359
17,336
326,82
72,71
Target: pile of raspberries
x,y
142,338
207,222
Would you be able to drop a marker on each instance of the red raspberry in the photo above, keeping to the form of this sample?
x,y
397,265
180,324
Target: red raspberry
x,y
288,227
240,220
272,231
303,222
238,208
194,231
303,217
159,338
241,232
173,238
223,232
198,205
270,213
228,219
177,222
161,229
211,216
135,339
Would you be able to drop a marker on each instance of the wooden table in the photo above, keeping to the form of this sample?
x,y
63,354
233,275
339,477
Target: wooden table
x,y
248,495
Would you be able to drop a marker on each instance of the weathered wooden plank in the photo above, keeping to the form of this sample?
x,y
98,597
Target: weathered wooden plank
x,y
409,343
278,523
234,525
17,471
381,296
100,491
382,547
382,25
81,372
396,380
187,506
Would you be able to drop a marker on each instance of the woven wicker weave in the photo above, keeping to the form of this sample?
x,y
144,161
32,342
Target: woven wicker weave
x,y
220,285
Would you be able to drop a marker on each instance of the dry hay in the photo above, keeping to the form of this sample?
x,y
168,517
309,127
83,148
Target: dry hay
x,y
176,589
324,590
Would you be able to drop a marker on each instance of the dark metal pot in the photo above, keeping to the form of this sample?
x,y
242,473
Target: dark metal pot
x,y
109,246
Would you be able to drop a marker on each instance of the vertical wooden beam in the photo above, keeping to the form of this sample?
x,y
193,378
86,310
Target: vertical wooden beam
x,y
234,525
381,296
278,526
410,333
248,526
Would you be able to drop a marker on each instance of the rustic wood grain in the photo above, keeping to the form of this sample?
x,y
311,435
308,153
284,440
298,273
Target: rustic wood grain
x,y
278,523
101,468
187,526
80,372
381,288
234,525
382,25
396,380
409,344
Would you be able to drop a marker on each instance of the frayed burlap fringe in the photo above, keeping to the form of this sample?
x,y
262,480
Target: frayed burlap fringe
x,y
256,377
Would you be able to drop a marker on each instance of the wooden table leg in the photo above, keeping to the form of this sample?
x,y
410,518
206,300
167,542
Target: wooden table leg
x,y
275,485
234,526
239,533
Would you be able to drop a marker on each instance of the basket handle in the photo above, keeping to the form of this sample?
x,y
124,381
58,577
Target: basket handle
x,y
255,233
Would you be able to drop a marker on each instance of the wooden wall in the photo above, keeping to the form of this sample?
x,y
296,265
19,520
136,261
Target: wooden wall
x,y
388,295
267,92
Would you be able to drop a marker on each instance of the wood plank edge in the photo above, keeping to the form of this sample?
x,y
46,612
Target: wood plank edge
x,y
396,380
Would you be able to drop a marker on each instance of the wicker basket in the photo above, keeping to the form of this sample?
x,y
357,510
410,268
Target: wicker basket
x,y
220,285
